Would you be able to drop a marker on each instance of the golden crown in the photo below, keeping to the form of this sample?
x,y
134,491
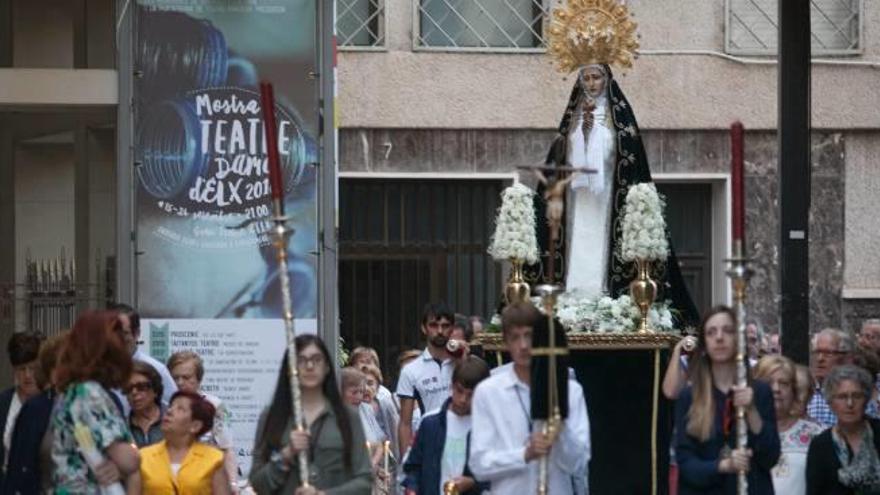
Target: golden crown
x,y
585,32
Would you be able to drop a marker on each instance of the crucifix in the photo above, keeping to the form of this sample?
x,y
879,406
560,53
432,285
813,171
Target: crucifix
x,y
554,195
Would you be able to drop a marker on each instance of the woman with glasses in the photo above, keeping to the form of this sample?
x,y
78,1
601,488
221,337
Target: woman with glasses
x,y
795,431
843,460
334,439
705,417
144,393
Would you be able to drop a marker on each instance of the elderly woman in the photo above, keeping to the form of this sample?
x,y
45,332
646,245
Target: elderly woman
x,y
180,463
144,393
843,460
188,371
795,432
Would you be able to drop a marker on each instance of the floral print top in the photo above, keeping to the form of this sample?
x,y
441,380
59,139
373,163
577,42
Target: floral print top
x,y
89,404
789,474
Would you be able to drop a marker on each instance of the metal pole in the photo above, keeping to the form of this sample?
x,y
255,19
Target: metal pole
x,y
794,177
328,310
126,242
739,274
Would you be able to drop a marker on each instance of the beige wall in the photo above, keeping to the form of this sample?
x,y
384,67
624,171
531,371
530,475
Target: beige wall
x,y
44,203
400,88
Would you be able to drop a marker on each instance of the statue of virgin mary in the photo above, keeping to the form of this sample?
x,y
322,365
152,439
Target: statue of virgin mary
x,y
599,131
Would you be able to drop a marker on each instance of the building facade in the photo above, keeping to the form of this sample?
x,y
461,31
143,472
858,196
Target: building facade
x,y
438,102
463,91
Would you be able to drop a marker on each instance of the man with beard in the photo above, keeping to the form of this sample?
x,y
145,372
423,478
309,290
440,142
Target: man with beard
x,y
425,382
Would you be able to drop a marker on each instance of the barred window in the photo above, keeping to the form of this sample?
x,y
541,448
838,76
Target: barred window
x,y
753,28
482,24
360,23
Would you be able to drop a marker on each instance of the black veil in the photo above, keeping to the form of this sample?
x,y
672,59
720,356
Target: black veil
x,y
631,167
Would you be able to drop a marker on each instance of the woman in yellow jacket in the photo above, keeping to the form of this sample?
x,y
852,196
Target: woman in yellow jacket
x,y
180,464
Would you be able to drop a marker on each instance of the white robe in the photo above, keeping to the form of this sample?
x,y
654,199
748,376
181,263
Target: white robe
x,y
590,203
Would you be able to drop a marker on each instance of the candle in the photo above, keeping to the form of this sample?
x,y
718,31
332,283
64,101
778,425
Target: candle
x,y
276,184
737,181
386,448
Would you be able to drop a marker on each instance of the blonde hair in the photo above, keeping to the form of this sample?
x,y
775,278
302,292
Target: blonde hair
x,y
772,363
181,357
369,369
804,387
362,351
350,377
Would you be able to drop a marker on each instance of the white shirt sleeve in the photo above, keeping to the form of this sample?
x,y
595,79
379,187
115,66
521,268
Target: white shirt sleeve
x,y
572,449
406,383
487,460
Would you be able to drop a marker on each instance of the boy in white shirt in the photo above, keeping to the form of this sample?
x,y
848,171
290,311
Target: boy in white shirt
x,y
440,452
505,448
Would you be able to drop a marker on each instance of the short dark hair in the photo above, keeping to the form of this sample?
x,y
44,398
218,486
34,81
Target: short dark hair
x,y
518,314
133,317
464,323
200,408
435,311
469,371
142,368
23,347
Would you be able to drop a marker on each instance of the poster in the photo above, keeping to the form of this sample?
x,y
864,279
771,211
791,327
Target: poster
x,y
241,365
206,270
202,182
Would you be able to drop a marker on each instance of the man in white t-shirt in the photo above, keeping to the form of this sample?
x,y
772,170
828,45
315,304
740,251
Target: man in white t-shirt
x,y
440,452
425,382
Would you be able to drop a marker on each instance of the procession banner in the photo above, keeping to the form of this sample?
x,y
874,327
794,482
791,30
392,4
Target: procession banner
x,y
206,265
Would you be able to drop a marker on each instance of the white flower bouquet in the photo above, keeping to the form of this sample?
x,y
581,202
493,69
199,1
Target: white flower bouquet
x,y
643,228
514,236
606,314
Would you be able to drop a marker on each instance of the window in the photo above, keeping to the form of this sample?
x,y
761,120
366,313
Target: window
x,y
753,29
515,25
360,23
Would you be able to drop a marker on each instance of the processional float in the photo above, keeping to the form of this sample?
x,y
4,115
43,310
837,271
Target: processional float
x,y
581,33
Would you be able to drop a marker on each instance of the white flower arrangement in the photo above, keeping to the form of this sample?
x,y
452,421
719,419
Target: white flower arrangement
x,y
514,235
643,227
606,314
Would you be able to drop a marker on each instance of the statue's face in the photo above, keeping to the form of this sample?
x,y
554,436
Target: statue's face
x,y
594,81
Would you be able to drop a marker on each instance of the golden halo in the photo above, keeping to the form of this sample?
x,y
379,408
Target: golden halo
x,y
585,32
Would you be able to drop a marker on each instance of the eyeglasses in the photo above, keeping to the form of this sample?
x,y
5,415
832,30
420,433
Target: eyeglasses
x,y
854,397
309,361
138,387
827,353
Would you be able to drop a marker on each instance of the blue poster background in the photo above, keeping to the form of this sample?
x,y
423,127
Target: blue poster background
x,y
201,182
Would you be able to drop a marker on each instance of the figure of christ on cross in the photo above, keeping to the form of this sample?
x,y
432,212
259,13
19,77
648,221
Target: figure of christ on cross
x,y
554,194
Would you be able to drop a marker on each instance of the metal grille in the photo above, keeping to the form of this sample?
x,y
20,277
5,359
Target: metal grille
x,y
50,299
360,23
516,25
753,28
404,243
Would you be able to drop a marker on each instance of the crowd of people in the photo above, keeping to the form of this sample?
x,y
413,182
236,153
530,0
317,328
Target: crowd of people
x,y
811,430
91,413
